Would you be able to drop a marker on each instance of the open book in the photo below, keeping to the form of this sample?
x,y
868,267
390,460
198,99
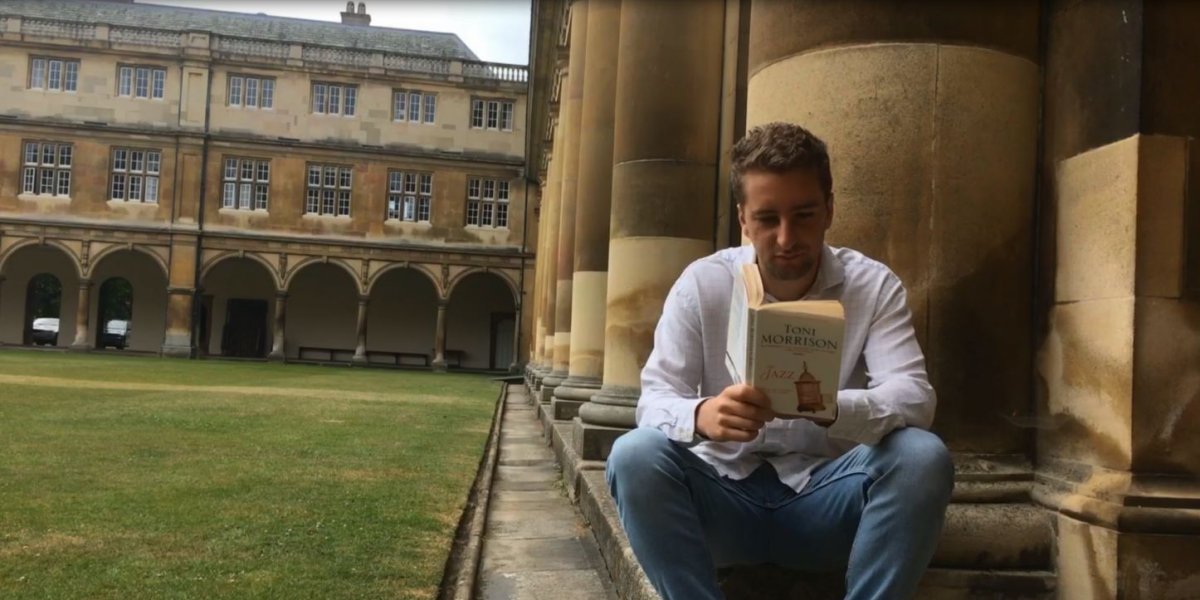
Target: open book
x,y
791,351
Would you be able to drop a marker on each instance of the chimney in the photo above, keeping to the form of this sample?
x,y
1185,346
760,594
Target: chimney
x,y
349,17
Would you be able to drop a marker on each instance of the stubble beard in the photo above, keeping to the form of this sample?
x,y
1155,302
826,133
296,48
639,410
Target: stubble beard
x,y
782,273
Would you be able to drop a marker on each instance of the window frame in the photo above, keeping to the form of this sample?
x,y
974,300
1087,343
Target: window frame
x,y
251,192
487,202
133,169
68,78
131,86
32,176
401,196
264,86
343,102
331,193
492,114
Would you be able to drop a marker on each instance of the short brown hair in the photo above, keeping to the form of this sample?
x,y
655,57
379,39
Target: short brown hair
x,y
779,148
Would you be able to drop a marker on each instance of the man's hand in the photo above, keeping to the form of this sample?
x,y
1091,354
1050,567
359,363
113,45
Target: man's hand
x,y
736,415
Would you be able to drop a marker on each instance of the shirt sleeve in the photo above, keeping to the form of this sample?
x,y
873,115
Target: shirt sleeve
x,y
898,393
672,375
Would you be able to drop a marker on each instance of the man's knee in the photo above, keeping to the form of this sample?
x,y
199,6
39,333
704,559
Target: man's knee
x,y
639,459
923,456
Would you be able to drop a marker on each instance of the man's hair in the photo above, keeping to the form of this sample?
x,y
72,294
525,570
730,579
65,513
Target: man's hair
x,y
780,148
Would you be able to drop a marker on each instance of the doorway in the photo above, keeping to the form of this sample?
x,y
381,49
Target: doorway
x,y
245,332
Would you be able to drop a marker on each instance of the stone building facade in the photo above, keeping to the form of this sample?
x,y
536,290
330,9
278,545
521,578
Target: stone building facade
x,y
267,186
1028,169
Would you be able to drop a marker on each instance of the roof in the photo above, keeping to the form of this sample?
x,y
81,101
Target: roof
x,y
256,26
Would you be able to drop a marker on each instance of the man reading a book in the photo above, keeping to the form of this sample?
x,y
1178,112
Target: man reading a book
x,y
711,477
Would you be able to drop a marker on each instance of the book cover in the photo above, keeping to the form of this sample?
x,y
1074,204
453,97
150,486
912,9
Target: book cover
x,y
791,351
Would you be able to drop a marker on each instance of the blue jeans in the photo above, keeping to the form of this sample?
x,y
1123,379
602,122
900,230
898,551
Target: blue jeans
x,y
876,511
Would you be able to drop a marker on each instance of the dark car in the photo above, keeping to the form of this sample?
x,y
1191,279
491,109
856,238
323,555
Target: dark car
x,y
116,334
45,331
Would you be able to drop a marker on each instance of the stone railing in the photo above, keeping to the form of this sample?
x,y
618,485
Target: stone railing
x,y
250,49
496,71
54,28
160,38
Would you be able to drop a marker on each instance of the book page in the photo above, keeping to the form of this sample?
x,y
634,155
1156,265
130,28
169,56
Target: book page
x,y
796,362
739,316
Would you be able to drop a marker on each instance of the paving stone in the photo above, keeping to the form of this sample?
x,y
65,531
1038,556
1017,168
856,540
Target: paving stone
x,y
548,472
558,554
583,584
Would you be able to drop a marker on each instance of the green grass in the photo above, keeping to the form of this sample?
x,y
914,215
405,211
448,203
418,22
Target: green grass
x,y
253,481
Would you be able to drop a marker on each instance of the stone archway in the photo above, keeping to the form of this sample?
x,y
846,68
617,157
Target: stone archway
x,y
20,268
322,314
481,322
143,328
402,318
237,308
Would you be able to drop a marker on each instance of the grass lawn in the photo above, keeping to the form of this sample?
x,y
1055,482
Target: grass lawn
x,y
130,477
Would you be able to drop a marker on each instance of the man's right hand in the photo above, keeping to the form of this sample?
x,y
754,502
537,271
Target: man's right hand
x,y
736,415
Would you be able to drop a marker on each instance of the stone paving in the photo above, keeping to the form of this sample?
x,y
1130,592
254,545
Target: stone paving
x,y
536,545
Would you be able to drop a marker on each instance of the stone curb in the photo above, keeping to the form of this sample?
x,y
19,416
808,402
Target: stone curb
x,y
462,566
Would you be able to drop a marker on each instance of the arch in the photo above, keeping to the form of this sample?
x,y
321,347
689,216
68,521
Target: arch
x,y
415,267
300,266
271,271
116,249
481,321
53,288
512,285
74,259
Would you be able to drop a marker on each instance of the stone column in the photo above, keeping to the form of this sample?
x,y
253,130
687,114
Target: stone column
x,y
278,326
931,119
83,312
360,349
592,207
514,367
182,300
663,190
547,255
1118,364
539,269
439,340
565,261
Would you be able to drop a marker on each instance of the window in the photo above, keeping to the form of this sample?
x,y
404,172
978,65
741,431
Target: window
x,y
329,188
246,183
46,169
135,173
334,99
414,107
141,81
487,202
410,196
492,114
250,91
53,74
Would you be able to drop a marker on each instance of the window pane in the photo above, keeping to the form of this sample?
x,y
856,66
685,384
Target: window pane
x,y
268,93
54,81
160,82
37,74
120,159
312,200
423,209
351,100
151,189
235,90
330,176
29,181
344,180
414,107
506,116
72,81
485,216
410,208
399,112
48,154
64,182
135,187
229,195
327,202
142,85
260,197
318,98
473,212
493,114
136,161
394,179
264,170
118,187
473,188
489,189
64,155
430,107
153,161
502,190
393,206
335,100
426,183
231,168
343,203
477,113
125,88
251,92
314,175
247,171
244,198
46,185
31,153
501,215
410,183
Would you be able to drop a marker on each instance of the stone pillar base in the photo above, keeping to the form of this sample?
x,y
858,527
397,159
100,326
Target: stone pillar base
x,y
80,348
276,357
359,360
439,366
595,442
564,410
173,351
571,394
549,383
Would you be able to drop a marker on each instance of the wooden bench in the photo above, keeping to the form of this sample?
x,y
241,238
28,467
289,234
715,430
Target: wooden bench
x,y
329,354
454,356
397,358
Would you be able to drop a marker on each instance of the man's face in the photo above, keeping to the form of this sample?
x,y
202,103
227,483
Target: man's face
x,y
785,216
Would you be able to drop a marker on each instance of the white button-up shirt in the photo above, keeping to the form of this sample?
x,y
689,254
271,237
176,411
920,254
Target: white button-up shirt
x,y
883,382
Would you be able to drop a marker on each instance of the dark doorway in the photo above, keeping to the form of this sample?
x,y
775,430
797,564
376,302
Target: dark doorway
x,y
43,303
245,333
114,324
503,330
